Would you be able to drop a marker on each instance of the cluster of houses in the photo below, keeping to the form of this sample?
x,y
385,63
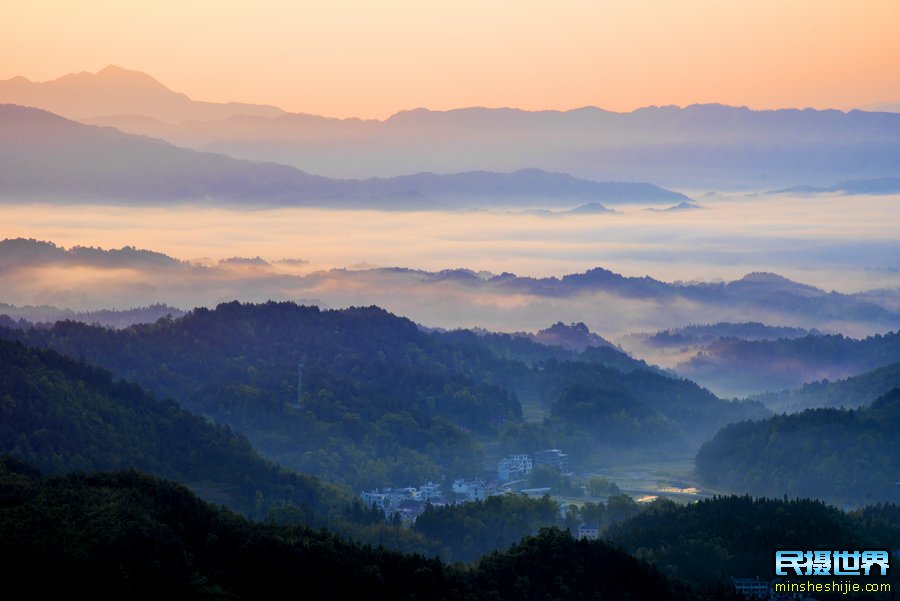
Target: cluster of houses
x,y
409,502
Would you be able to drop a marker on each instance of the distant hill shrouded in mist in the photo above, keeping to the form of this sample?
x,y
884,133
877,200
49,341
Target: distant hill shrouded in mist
x,y
753,366
48,158
611,303
13,316
849,393
884,185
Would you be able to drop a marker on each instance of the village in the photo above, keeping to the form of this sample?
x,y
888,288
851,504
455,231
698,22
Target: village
x,y
512,472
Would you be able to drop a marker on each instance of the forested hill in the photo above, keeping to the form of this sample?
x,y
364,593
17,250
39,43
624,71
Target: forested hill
x,y
384,402
715,539
125,535
62,415
852,456
533,349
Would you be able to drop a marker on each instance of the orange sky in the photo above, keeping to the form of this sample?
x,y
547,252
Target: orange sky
x,y
373,58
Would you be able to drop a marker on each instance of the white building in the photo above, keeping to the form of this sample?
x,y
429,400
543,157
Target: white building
x,y
514,466
374,498
553,458
431,492
472,490
589,531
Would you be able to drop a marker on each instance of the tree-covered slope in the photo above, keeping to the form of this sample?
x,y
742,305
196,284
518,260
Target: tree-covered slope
x,y
63,415
384,402
851,456
126,535
715,539
381,403
555,565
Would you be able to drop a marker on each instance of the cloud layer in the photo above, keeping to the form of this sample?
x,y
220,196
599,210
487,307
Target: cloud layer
x,y
839,243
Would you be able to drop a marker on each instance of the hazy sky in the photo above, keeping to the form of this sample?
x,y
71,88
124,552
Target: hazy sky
x,y
371,59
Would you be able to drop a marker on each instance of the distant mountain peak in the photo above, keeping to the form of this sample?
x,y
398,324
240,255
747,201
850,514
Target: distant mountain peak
x,y
116,90
765,277
111,69
117,73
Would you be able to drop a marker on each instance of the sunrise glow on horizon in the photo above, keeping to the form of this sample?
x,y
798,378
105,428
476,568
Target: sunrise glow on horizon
x,y
371,60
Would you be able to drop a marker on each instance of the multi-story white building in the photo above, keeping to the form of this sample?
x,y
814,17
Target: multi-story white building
x,y
471,490
431,492
589,531
374,498
553,458
512,467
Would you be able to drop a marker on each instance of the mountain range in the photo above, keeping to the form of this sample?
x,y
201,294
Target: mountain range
x,y
697,146
47,157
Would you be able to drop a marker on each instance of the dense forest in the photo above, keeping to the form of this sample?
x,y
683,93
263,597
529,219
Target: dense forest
x,y
712,540
384,402
125,535
848,393
62,415
850,456
469,530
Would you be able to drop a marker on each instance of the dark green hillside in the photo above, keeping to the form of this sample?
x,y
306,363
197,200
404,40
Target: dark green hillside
x,y
126,535
520,348
554,565
599,396
594,408
383,401
713,540
62,415
850,456
469,530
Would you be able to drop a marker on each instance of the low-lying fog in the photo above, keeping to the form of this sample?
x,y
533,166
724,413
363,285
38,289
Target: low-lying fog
x,y
845,243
